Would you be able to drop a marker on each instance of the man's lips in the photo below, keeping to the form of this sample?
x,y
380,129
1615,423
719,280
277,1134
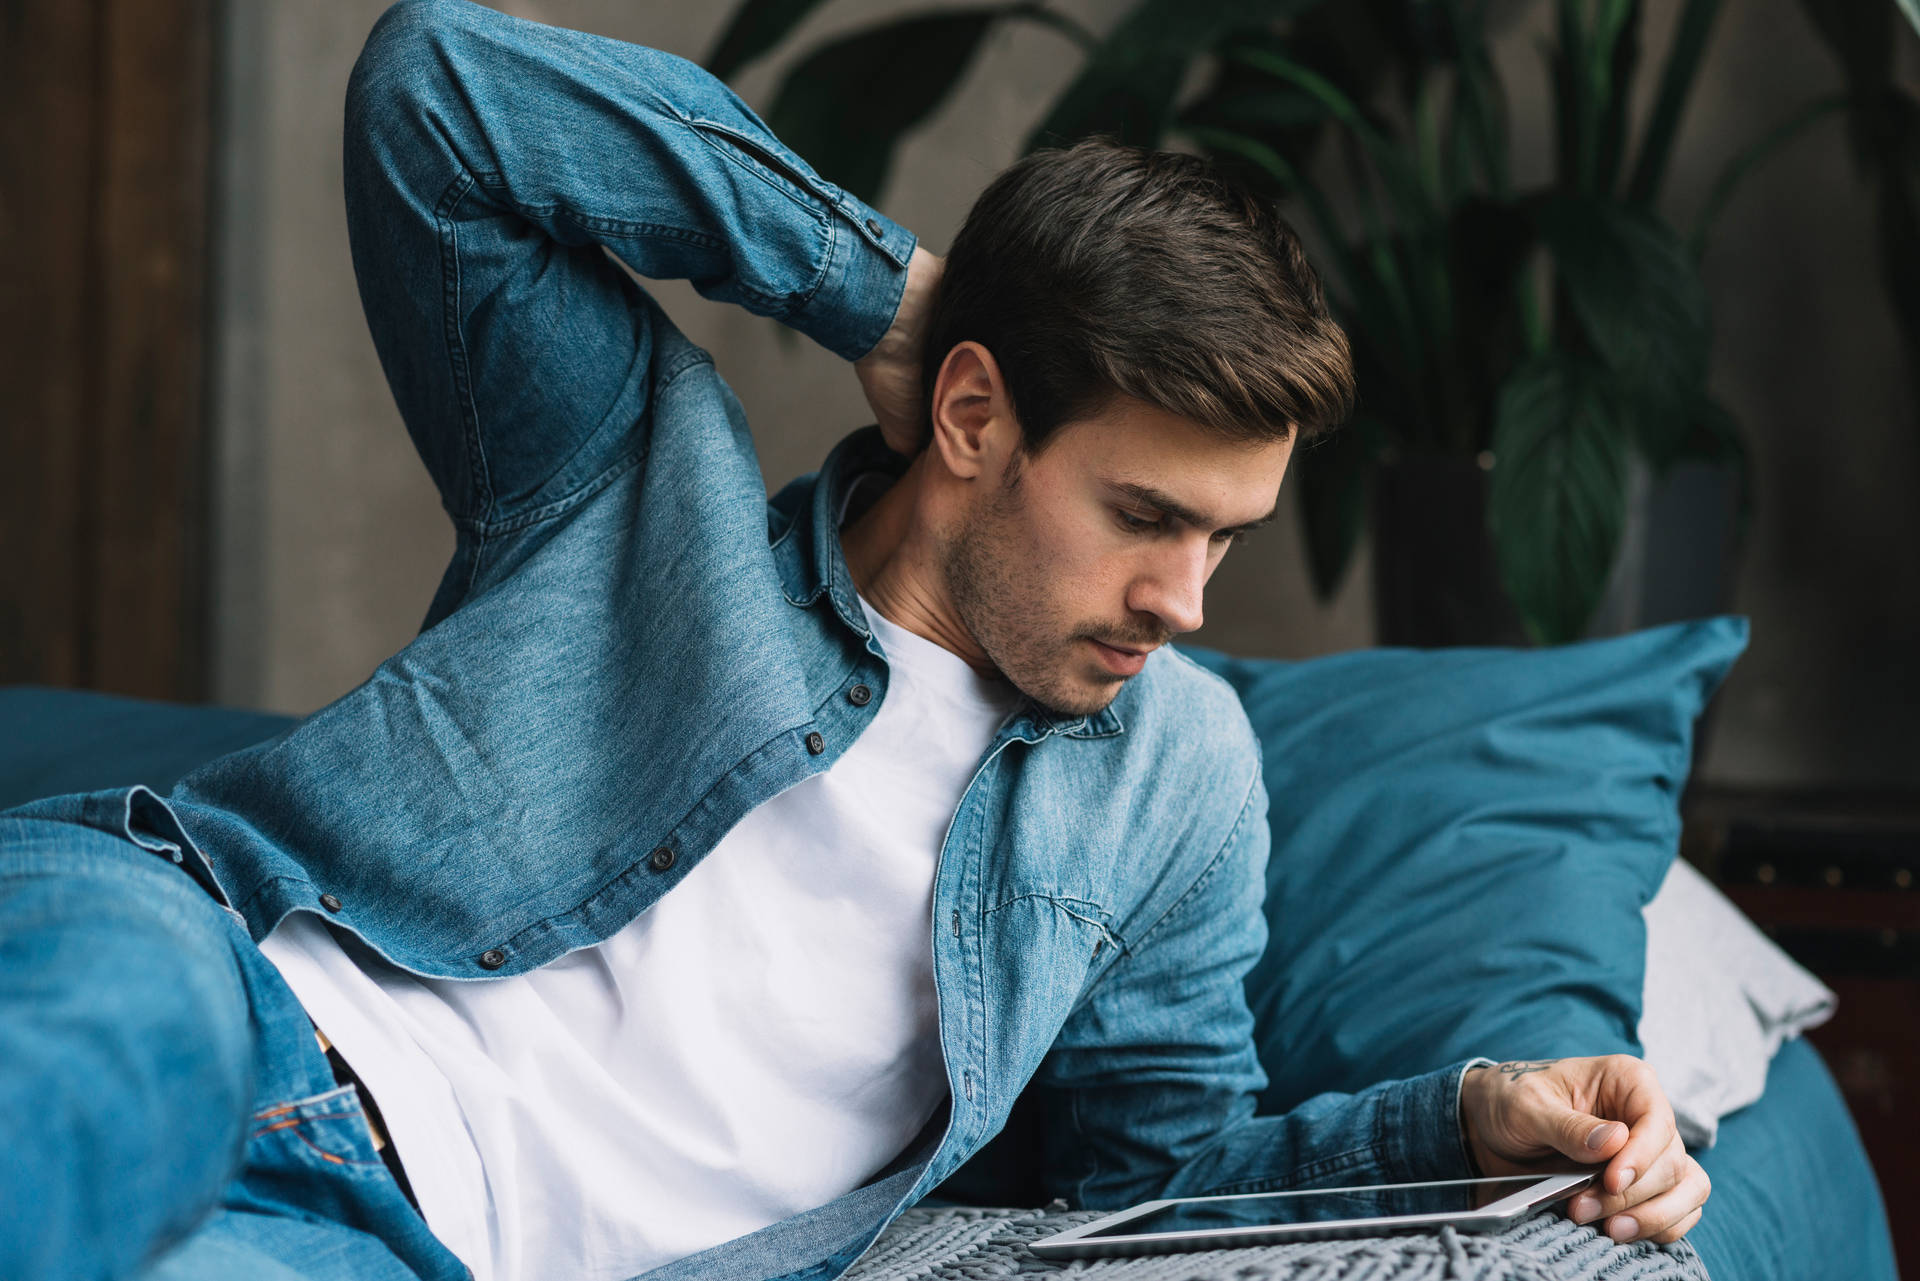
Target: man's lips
x,y
1121,662
1136,650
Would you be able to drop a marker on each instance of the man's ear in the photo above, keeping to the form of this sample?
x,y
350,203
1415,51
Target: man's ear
x,y
974,432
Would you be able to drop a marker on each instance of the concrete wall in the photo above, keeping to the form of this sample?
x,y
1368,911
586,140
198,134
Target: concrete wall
x,y
330,539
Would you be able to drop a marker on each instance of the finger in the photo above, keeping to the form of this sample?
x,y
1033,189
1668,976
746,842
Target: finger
x,y
1658,1214
1587,1138
1597,1204
1665,1171
1643,1105
1680,1229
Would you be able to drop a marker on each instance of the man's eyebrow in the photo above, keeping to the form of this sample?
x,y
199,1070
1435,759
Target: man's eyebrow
x,y
1148,496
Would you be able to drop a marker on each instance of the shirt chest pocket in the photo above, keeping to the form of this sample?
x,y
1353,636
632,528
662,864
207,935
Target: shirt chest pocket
x,y
1048,948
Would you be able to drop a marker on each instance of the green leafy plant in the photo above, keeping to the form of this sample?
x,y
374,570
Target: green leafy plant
x,y
1552,332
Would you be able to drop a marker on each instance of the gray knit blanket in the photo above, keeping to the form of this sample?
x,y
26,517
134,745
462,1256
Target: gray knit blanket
x,y
961,1244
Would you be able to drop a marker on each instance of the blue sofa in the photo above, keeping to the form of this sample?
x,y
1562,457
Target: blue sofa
x,y
1794,1197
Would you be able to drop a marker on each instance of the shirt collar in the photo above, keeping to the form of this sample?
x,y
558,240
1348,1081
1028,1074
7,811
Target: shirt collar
x,y
810,562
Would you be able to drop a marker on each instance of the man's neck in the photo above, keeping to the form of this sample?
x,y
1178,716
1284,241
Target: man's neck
x,y
895,563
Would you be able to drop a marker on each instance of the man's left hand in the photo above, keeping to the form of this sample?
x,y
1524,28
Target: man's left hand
x,y
1532,1116
890,373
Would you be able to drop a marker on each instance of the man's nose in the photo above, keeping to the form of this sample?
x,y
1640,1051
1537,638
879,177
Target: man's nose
x,y
1171,590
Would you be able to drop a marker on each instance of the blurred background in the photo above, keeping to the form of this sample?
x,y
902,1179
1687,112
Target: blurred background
x,y
1645,391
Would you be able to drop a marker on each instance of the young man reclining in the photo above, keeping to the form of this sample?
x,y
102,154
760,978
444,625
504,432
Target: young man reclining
x,y
703,884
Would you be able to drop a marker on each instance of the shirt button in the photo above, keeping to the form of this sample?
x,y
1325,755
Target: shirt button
x,y
329,902
661,859
859,695
815,743
873,225
492,959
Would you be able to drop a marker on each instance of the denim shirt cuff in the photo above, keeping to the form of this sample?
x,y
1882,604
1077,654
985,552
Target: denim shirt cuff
x,y
865,279
1427,1133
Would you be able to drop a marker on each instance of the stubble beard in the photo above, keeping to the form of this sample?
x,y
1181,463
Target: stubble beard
x,y
1007,618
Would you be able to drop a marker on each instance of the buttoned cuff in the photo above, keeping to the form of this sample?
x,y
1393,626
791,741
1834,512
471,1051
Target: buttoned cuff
x,y
1424,1134
865,279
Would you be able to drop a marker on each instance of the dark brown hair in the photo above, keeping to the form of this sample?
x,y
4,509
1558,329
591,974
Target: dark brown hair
x,y
1103,268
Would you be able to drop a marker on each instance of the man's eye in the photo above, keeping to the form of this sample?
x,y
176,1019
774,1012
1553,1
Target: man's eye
x,y
1134,523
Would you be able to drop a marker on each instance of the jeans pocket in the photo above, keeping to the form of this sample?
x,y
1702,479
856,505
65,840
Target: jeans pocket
x,y
323,1131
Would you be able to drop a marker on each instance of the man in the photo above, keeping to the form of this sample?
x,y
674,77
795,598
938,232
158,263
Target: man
x,y
703,884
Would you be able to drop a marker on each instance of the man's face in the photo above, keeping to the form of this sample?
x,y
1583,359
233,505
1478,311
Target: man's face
x,y
1080,548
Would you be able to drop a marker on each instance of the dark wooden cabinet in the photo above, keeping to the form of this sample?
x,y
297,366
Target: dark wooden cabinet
x,y
1831,878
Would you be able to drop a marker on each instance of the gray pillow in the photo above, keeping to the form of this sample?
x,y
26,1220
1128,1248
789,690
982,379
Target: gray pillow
x,y
1720,999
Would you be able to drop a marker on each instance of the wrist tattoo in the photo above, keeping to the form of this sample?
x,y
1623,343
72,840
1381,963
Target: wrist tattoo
x,y
1518,1068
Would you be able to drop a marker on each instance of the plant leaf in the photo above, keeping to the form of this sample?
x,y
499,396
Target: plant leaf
x,y
846,105
1127,87
1558,497
1750,158
1676,81
1278,118
1436,179
1329,480
1623,60
1480,104
1641,306
1573,100
1266,108
757,26
1394,168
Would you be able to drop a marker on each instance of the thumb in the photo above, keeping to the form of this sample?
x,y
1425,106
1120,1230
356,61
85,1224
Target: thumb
x,y
1589,1138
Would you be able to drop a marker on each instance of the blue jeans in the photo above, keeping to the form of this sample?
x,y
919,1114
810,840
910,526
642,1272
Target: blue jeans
x,y
165,1111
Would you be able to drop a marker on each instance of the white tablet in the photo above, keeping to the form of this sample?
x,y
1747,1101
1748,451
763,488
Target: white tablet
x,y
1268,1218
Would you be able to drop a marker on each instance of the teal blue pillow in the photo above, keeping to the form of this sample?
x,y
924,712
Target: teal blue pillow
x,y
1463,841
69,740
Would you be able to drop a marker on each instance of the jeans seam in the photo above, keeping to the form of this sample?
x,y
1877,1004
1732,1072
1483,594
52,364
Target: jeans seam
x,y
330,1156
286,1122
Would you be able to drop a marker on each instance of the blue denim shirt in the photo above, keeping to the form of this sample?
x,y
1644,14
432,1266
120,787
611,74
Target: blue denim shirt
x,y
634,646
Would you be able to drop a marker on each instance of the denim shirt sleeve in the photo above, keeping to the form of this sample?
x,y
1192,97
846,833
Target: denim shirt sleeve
x,y
489,162
1151,1083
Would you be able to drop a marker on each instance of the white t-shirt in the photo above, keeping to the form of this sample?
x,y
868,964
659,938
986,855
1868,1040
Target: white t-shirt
x,y
760,1041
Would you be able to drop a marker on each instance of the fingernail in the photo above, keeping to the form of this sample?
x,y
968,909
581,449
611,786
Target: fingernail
x,y
1585,1207
1622,1228
1600,1135
1626,1178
